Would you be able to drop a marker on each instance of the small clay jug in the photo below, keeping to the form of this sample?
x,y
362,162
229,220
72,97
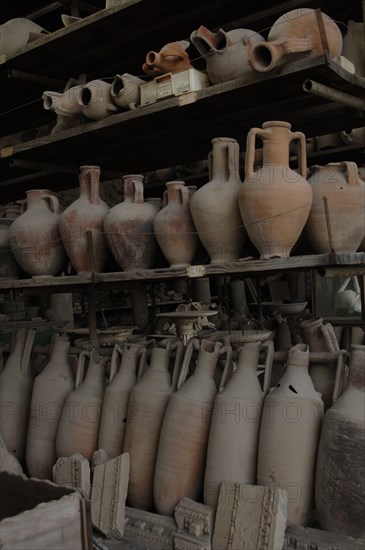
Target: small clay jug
x,y
50,390
289,434
234,430
172,58
226,53
64,103
344,191
214,207
146,408
340,481
123,376
125,90
174,228
81,225
34,236
78,427
275,201
95,100
185,430
294,35
129,227
16,383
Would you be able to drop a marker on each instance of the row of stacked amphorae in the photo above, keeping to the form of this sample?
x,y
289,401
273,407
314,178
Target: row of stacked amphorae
x,y
184,437
271,207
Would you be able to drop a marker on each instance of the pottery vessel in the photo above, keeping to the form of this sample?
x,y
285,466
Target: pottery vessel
x,y
289,434
185,430
234,430
294,35
78,427
339,182
16,33
8,462
226,53
147,404
174,228
129,227
63,103
16,383
116,397
172,58
9,268
95,100
34,236
354,46
274,201
340,481
125,90
50,390
214,207
81,225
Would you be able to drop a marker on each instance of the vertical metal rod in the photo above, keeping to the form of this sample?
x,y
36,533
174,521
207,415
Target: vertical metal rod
x,y
322,31
332,253
259,306
313,293
91,312
362,287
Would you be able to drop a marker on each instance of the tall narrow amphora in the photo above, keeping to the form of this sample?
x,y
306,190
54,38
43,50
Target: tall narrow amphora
x,y
16,383
275,201
81,225
129,227
122,378
234,431
147,404
34,236
185,430
78,428
174,227
214,206
340,479
289,433
50,390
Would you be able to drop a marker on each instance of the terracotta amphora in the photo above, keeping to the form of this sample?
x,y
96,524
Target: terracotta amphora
x,y
125,90
172,58
9,268
129,227
274,200
321,337
81,225
64,103
289,434
34,236
294,35
146,408
16,383
95,100
344,191
214,206
234,430
185,430
226,53
123,376
340,480
16,33
78,427
50,390
8,462
174,228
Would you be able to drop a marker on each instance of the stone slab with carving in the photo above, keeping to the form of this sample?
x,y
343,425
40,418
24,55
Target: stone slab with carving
x,y
74,472
250,517
306,538
108,495
195,523
154,531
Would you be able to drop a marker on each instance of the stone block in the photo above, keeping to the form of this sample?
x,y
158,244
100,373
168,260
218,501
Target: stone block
x,y
306,538
74,472
250,517
108,495
152,530
195,525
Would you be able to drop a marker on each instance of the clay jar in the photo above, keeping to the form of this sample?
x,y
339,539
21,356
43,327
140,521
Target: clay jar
x,y
16,33
129,227
174,228
63,103
172,58
34,236
340,482
80,418
125,90
226,53
9,268
274,201
95,100
50,390
289,434
214,207
81,225
339,182
294,35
